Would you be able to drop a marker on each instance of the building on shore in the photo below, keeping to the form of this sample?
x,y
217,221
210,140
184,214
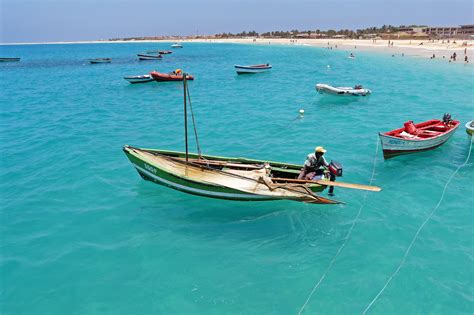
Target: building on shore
x,y
466,31
441,31
462,31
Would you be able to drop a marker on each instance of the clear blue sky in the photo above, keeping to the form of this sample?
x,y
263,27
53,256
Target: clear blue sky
x,y
68,20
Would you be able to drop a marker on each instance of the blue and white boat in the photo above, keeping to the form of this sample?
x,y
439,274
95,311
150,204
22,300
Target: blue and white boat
x,y
149,57
100,60
176,45
252,68
139,78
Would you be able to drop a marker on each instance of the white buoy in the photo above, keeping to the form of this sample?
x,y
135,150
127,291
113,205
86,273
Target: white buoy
x,y
329,66
301,112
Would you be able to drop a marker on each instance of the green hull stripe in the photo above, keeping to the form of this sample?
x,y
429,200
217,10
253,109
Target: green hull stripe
x,y
202,192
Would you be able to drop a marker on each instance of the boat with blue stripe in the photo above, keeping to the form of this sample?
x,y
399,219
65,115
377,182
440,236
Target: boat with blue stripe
x,y
252,68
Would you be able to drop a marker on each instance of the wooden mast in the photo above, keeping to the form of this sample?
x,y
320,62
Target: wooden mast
x,y
185,116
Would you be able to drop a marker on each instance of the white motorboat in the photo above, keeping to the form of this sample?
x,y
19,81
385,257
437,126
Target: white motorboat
x,y
358,90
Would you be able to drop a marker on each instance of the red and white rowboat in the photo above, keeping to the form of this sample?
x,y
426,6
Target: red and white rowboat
x,y
169,76
417,137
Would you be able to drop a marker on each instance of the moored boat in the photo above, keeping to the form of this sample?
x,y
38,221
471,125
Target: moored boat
x,y
224,178
165,52
6,59
139,78
358,90
172,76
176,45
149,57
470,127
100,60
412,138
252,68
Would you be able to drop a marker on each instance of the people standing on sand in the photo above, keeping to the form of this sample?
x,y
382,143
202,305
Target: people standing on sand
x,y
466,60
433,56
454,56
465,51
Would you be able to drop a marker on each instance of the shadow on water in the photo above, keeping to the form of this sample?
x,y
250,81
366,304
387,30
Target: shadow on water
x,y
267,222
327,100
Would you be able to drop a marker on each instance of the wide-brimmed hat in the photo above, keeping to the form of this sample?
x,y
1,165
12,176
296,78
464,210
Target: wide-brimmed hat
x,y
320,150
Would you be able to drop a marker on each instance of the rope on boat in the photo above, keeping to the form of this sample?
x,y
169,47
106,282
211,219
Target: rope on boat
x,y
349,234
402,262
194,122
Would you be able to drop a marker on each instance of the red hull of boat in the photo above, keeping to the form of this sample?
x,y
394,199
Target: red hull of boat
x,y
163,77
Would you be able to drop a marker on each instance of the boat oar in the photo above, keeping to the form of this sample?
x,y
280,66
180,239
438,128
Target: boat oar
x,y
329,183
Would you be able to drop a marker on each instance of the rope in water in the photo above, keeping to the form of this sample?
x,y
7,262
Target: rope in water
x,y
394,274
333,260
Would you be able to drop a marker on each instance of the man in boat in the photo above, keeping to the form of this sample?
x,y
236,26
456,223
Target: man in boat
x,y
315,165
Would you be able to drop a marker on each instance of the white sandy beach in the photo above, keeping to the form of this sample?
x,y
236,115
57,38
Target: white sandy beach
x,y
399,47
418,48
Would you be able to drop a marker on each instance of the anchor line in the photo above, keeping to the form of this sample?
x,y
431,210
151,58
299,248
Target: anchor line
x,y
349,234
402,262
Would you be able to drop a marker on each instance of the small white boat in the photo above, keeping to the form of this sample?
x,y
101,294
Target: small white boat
x,y
470,127
176,45
252,69
149,57
139,78
355,91
100,60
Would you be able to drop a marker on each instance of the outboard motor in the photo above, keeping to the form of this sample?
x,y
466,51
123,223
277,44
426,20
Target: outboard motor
x,y
447,119
335,170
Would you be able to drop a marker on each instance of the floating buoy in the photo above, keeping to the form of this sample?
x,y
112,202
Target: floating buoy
x,y
328,66
301,111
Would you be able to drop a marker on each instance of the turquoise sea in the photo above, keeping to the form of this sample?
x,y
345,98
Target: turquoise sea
x,y
82,233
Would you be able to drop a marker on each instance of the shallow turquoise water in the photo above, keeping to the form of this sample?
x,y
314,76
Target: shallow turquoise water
x,y
82,233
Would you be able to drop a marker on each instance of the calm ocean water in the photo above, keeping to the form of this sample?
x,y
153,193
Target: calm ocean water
x,y
82,233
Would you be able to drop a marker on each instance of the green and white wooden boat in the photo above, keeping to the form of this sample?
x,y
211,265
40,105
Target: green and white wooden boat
x,y
223,177
228,177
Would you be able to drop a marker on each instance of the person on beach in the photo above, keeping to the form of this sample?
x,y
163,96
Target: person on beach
x,y
466,60
315,165
454,56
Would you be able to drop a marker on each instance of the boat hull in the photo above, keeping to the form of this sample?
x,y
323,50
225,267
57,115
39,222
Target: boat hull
x,y
470,128
149,57
341,91
394,146
95,61
9,59
139,79
165,77
155,173
251,69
